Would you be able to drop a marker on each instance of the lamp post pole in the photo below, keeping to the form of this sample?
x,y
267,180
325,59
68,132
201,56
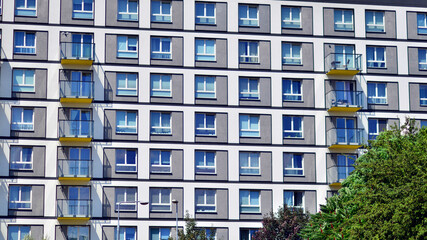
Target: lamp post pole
x,y
118,214
174,201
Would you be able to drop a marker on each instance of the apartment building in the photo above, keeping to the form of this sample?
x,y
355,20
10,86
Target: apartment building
x,y
222,109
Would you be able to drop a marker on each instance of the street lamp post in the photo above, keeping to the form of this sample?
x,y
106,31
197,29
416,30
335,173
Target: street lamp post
x,y
118,214
174,201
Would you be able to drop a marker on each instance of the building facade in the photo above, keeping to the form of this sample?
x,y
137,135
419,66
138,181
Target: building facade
x,y
230,108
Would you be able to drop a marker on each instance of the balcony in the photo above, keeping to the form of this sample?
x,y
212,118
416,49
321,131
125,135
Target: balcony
x,y
344,101
337,174
74,170
77,53
75,130
343,64
344,138
74,209
76,91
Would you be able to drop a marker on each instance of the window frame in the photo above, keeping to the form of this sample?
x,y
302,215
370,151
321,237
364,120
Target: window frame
x,y
199,78
292,130
126,120
293,168
250,156
422,65
294,198
256,207
124,229
205,47
292,94
21,157
376,99
159,157
342,20
129,90
161,14
242,132
161,236
160,124
130,14
424,26
24,78
160,204
126,163
127,53
159,92
374,135
83,11
247,17
130,204
198,206
19,232
372,28
250,233
291,20
347,166
205,14
20,201
292,60
205,127
249,95
25,43
18,125
79,232
26,9
160,53
198,169
375,60
423,99
248,58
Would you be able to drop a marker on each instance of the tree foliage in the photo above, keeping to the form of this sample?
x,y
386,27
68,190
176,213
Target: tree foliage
x,y
285,224
192,232
386,195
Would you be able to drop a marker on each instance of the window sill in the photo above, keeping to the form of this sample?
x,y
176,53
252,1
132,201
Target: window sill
x,y
299,101
255,137
122,210
377,67
209,61
249,99
33,54
250,175
126,172
249,26
21,209
201,98
161,22
376,32
293,138
19,130
211,174
127,57
205,135
118,95
342,30
162,173
124,133
159,134
292,64
127,20
197,212
26,16
292,28
252,63
161,97
206,24
382,104
291,175
249,213
77,19
160,211
164,59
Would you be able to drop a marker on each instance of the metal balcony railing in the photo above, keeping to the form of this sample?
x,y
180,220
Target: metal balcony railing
x,y
75,128
80,51
70,208
76,89
345,137
337,174
74,168
344,99
343,63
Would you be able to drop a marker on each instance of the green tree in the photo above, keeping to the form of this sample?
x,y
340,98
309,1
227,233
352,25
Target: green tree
x,y
192,232
386,195
285,224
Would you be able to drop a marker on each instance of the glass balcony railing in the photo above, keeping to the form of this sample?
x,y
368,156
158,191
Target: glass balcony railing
x,y
76,129
350,101
77,90
343,64
70,208
337,174
351,138
74,168
77,53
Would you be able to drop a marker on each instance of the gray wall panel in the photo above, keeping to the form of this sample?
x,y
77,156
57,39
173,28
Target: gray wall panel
x,y
307,95
221,124
177,129
221,19
177,91
265,167
307,59
111,16
41,48
108,232
264,94
110,89
221,82
309,132
264,55
264,21
413,62
306,23
221,207
329,24
177,17
42,13
37,203
177,163
110,127
177,54
221,158
39,115
221,56
390,27
67,14
391,62
109,165
176,193
310,201
266,206
109,201
40,86
111,51
265,132
39,162
309,160
392,98
412,27
414,98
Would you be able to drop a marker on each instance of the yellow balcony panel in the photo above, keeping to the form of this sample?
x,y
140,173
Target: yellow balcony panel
x,y
75,139
83,62
76,179
344,109
342,72
345,146
73,219
335,185
76,100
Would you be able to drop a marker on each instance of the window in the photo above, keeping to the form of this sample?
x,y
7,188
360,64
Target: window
x,y
25,42
160,161
126,122
210,233
294,199
161,11
83,9
422,23
422,59
205,124
249,126
161,123
20,197
205,13
250,201
205,87
249,163
80,85
77,232
248,15
375,127
249,88
126,84
127,47
291,17
160,199
22,119
345,165
293,164
292,90
423,95
291,53
23,80
161,85
78,164
26,8
205,50
247,234
205,200
126,233
248,52
18,232
81,47
126,160
161,48
292,127
423,123
205,162
126,197
21,158
375,57
343,20
374,21
127,10
160,233
377,93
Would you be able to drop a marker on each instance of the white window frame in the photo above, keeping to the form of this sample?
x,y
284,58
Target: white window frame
x,y
375,25
292,94
423,99
375,60
291,17
20,201
27,9
20,160
347,166
24,76
250,167
128,204
17,125
294,60
249,125
424,27
82,3
248,85
422,65
293,168
377,126
161,89
25,42
126,164
249,198
204,16
127,51
161,14
205,204
293,199
123,230
126,126
204,91
292,126
204,54
243,58
376,97
251,233
160,165
127,88
160,233
127,11
20,233
160,122
198,169
205,128
342,22
247,18
79,231
161,42
162,191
